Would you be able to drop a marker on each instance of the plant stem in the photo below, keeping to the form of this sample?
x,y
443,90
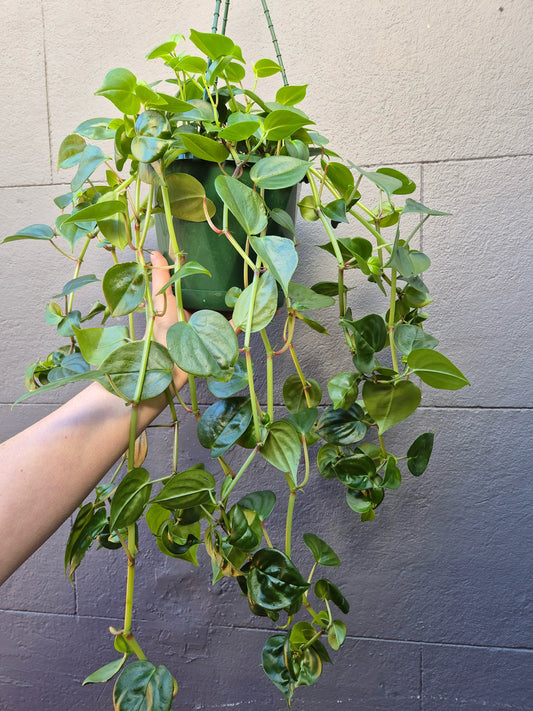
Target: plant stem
x,y
290,514
249,363
270,375
234,481
392,319
130,580
300,373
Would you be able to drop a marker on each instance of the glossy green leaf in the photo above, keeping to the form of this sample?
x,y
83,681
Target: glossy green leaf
x,y
75,284
185,270
408,338
273,663
274,582
343,390
237,382
342,427
393,477
282,218
408,185
296,148
130,499
370,335
262,502
123,365
326,590
283,448
143,687
336,210
85,535
223,423
303,421
245,204
70,151
155,517
84,515
205,346
408,262
204,147
123,286
97,343
67,324
186,489
114,230
31,232
322,553
304,298
147,149
106,672
282,123
239,131
291,94
294,393
190,64
91,158
71,364
264,306
336,634
341,177
356,471
436,370
308,208
163,49
187,195
417,207
388,403
78,377
245,528
96,129
211,44
276,172
419,453
119,87
327,457
280,256
266,68
387,183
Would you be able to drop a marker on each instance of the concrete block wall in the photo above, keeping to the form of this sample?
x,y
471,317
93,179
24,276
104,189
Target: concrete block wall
x,y
441,583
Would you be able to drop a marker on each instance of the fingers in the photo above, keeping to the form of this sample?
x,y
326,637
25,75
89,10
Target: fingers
x,y
160,276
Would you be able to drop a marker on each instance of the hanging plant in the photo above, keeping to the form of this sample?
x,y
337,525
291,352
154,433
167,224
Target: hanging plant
x,y
206,118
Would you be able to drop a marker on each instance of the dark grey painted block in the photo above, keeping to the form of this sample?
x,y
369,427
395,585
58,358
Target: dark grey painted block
x,y
469,678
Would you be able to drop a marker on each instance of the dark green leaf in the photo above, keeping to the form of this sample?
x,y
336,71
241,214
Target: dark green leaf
x,y
356,471
409,338
223,423
31,232
262,502
245,528
343,390
124,364
276,172
282,218
283,448
388,403
419,453
245,204
370,334
237,382
336,210
144,687
263,308
387,183
408,186
123,286
393,476
280,256
322,553
342,427
359,502
294,393
85,533
327,457
304,298
130,499
186,489
336,634
303,421
205,346
326,590
273,662
436,370
274,582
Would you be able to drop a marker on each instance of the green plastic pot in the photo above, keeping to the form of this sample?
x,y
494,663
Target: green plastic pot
x,y
213,251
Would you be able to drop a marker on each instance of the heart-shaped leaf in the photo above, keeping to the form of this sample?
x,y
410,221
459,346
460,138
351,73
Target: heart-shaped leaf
x,y
274,582
390,403
263,308
280,256
283,448
143,687
322,553
223,423
419,453
245,204
130,499
186,489
123,286
436,370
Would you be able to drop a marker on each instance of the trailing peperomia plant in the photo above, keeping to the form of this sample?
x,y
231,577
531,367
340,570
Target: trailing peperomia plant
x,y
207,113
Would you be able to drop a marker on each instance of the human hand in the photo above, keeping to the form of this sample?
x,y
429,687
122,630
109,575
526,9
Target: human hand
x,y
166,310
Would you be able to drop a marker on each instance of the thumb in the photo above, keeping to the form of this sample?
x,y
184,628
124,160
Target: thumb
x,y
160,276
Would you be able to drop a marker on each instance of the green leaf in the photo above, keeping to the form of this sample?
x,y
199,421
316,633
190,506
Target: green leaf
x,y
212,45
290,95
388,403
147,149
294,393
343,390
336,210
204,147
436,370
282,123
32,232
356,471
326,590
408,262
408,186
123,365
223,423
67,324
186,490
273,663
245,528
419,453
283,448
322,553
266,68
70,151
342,427
96,129
97,343
106,672
262,502
336,634
144,687
119,87
393,476
163,49
276,172
304,298
280,256
75,284
205,346
370,335
91,158
187,195
237,382
245,204
185,270
283,219
417,207
408,338
303,421
387,183
264,306
327,457
78,377
296,148
82,537
130,499
123,286
273,580
239,130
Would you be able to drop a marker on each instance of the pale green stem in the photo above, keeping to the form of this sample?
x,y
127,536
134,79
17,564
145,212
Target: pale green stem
x,y
392,319
235,480
270,375
301,375
290,515
79,262
249,364
128,613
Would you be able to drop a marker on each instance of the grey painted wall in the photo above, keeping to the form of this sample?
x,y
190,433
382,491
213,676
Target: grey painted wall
x,y
441,582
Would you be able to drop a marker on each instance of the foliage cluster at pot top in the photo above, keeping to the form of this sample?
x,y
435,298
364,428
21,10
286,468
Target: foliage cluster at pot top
x,y
208,109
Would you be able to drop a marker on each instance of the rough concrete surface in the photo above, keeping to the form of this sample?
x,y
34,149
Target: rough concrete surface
x,y
441,583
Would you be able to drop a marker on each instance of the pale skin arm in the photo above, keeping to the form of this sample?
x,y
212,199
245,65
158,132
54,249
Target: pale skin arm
x,y
47,470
